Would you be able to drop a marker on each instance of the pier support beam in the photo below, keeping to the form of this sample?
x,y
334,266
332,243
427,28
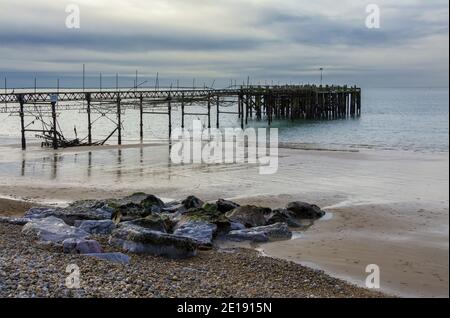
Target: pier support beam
x,y
22,122
182,110
141,118
88,110
55,138
119,122
217,112
169,106
209,111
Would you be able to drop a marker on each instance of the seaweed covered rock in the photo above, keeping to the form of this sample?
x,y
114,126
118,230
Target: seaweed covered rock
x,y
303,210
284,215
225,206
52,229
144,241
207,213
135,206
262,233
192,202
249,215
153,222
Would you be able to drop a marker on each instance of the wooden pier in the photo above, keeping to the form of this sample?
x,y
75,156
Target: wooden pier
x,y
269,103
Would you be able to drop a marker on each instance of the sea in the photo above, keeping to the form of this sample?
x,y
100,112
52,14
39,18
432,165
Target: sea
x,y
410,119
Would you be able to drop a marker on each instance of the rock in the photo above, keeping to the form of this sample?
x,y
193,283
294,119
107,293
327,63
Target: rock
x,y
173,207
97,227
138,205
192,202
144,241
303,210
261,233
236,226
151,222
247,235
143,199
249,215
283,215
14,220
224,206
201,232
79,210
207,213
111,257
81,246
52,229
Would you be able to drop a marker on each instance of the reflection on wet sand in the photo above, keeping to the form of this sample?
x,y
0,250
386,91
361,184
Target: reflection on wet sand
x,y
96,163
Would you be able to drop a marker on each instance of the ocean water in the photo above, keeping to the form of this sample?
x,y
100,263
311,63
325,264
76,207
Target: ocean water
x,y
412,119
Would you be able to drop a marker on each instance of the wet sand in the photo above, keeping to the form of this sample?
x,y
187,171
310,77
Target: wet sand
x,y
388,207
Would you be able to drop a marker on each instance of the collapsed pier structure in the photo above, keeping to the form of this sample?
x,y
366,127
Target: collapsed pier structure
x,y
268,103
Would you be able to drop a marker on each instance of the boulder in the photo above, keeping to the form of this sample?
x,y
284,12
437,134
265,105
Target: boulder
x,y
151,222
207,213
138,205
201,232
283,215
303,210
52,229
173,207
249,215
97,227
114,257
81,246
261,233
79,210
144,241
192,202
225,206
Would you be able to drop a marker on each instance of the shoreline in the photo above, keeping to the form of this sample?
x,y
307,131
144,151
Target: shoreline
x,y
380,201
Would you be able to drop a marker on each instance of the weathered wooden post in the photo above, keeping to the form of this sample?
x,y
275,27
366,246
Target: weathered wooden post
x,y
53,103
169,105
141,118
209,110
182,110
119,121
22,121
217,112
88,110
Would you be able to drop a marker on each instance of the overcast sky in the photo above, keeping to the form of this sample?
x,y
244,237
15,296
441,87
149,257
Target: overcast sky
x,y
280,40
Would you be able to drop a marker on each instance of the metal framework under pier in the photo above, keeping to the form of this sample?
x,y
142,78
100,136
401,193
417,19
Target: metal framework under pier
x,y
291,102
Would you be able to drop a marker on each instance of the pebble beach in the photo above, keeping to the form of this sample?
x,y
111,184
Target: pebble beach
x,y
30,269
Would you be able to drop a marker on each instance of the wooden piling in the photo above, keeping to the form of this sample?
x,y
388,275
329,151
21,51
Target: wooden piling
x,y
54,128
169,106
217,112
182,110
119,121
22,122
88,110
141,118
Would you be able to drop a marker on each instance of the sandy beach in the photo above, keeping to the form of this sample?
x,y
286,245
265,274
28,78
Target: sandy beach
x,y
388,208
